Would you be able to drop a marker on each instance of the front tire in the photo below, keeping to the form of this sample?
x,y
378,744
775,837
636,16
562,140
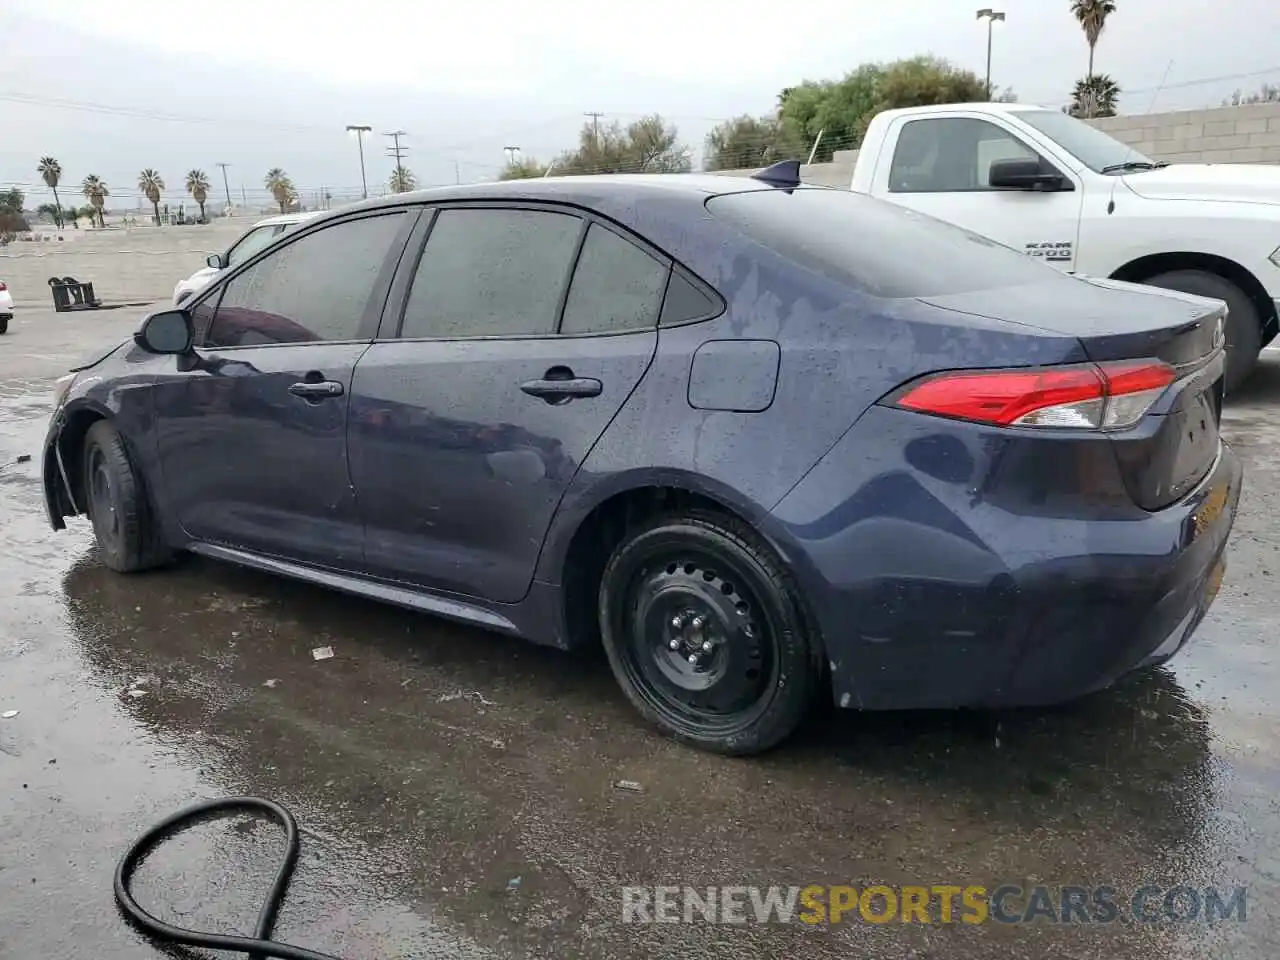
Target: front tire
x,y
705,634
4,323
116,501
1244,326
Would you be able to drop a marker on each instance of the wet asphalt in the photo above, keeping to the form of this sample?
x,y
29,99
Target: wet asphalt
x,y
457,793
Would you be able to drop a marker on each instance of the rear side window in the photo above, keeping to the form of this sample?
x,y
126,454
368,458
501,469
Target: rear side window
x,y
877,247
616,286
491,273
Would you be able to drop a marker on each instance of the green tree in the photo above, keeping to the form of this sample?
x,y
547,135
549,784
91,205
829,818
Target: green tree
x,y
12,218
746,142
51,173
1267,93
1092,17
523,169
198,187
96,190
281,188
842,109
1094,96
402,180
152,185
649,145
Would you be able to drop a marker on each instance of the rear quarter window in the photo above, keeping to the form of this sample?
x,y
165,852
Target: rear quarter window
x,y
877,247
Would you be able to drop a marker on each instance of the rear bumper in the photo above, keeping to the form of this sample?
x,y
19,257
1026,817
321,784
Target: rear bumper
x,y
932,592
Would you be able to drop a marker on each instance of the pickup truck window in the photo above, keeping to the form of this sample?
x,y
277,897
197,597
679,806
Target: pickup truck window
x,y
874,246
951,155
1095,149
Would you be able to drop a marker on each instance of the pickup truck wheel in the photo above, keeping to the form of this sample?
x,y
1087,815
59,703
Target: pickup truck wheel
x,y
4,323
128,537
1244,326
705,634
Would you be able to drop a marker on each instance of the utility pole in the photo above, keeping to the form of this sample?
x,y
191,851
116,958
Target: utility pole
x,y
225,185
360,129
398,152
991,16
244,196
513,154
595,126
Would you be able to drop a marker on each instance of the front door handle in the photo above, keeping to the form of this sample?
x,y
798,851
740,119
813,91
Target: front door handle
x,y
317,390
559,390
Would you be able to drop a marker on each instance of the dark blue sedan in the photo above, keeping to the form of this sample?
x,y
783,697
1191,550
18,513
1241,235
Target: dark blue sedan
x,y
765,442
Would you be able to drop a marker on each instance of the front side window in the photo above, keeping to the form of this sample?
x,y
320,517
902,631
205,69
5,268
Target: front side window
x,y
951,155
316,288
489,272
616,286
251,243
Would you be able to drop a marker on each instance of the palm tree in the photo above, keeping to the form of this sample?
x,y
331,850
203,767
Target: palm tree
x,y
402,180
1092,15
198,187
281,187
51,172
1095,96
152,184
96,190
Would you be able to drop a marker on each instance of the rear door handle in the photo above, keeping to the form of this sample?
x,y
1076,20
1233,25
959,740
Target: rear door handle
x,y
318,390
558,391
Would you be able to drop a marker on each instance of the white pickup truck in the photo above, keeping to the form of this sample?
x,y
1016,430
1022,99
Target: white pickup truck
x,y
1058,189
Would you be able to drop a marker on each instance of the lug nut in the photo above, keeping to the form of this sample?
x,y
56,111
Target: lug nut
x,y
678,622
693,659
707,646
673,644
699,622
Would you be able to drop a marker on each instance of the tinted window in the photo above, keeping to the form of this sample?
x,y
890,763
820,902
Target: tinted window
x,y
616,286
877,247
315,288
1085,142
951,154
251,243
684,302
492,273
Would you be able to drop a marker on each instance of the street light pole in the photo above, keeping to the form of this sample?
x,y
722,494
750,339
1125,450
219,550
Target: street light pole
x,y
360,129
991,16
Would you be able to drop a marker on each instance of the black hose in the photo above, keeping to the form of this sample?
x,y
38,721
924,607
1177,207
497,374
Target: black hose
x,y
260,944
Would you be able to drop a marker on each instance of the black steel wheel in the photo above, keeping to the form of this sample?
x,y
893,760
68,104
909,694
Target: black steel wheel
x,y
128,539
704,632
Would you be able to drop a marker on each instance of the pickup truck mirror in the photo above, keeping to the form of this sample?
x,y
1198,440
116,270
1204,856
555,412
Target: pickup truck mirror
x,y
1030,173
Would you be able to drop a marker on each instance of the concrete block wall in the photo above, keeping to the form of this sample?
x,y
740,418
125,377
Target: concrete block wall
x,y
1246,134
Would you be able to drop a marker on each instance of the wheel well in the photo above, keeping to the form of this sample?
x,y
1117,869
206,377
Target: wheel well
x,y
600,533
1144,268
71,444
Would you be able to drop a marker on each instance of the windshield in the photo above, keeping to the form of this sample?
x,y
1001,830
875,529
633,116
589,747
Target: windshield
x,y
1087,144
880,248
251,243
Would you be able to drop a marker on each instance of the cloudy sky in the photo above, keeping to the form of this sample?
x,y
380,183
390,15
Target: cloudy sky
x,y
111,86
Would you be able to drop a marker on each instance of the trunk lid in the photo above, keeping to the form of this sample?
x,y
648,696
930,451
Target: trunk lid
x,y
1170,450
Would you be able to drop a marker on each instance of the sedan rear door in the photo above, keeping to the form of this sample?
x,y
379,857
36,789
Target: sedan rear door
x,y
521,332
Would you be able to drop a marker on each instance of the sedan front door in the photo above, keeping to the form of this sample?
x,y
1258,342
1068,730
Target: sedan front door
x,y
471,419
252,428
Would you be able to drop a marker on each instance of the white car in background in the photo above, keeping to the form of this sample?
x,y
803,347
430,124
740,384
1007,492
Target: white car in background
x,y
6,307
257,237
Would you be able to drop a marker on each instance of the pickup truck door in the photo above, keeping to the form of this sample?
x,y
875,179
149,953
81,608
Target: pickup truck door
x,y
941,166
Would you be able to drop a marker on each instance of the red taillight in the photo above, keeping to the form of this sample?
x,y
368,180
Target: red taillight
x,y
1088,396
3,286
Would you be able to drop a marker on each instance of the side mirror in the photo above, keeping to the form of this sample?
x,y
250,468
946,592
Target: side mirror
x,y
1029,173
169,332
215,260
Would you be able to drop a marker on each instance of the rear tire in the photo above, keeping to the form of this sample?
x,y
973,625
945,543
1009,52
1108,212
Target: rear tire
x,y
116,501
4,323
1244,326
705,634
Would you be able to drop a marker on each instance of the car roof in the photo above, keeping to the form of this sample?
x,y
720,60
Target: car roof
x,y
288,218
980,107
585,190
